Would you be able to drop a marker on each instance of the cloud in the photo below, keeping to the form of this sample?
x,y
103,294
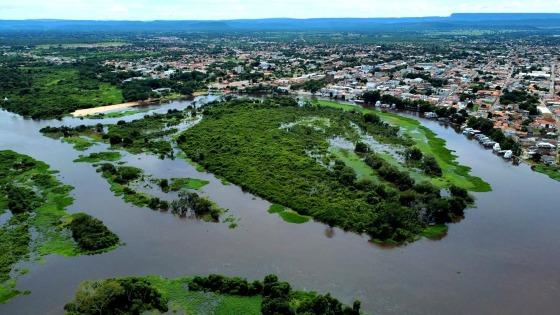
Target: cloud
x,y
229,9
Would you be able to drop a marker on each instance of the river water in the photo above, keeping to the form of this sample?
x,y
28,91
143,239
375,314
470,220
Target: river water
x,y
503,258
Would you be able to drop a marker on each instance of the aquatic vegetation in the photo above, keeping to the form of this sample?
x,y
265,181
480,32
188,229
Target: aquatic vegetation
x,y
201,207
120,178
435,232
39,224
288,215
214,294
151,134
79,143
187,183
96,157
241,140
551,171
427,141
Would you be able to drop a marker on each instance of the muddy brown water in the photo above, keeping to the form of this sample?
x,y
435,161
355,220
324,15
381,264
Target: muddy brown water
x,y
503,258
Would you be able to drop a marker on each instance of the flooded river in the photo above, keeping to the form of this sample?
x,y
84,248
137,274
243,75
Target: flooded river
x,y
503,258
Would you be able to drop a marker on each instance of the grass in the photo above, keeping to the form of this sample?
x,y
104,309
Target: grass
x,y
79,143
8,291
291,216
136,198
288,215
551,171
276,208
187,183
352,160
181,300
110,156
435,232
427,141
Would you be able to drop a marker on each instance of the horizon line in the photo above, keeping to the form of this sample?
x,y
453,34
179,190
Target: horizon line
x,y
284,18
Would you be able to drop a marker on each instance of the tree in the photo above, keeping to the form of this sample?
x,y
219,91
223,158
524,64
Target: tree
x,y
361,148
116,296
371,97
430,166
413,154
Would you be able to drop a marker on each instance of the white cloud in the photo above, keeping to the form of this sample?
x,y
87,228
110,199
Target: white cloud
x,y
228,9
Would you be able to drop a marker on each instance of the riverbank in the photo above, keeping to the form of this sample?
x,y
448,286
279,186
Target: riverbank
x,y
103,109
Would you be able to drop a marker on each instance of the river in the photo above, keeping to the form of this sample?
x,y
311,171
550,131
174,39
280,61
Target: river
x,y
503,258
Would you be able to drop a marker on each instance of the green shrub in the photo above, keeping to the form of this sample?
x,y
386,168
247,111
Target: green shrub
x,y
91,234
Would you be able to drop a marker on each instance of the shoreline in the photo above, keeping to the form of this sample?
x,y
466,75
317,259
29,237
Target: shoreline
x,y
102,109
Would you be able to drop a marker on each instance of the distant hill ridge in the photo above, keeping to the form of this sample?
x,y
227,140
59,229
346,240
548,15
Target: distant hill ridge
x,y
456,20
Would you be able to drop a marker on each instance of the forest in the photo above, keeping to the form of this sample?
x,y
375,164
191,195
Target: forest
x,y
280,151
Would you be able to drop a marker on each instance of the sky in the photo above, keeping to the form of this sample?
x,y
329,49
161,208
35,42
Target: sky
x,y
253,9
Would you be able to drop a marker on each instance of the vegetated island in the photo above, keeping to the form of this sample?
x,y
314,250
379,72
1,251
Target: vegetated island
x,y
347,168
124,180
214,294
34,222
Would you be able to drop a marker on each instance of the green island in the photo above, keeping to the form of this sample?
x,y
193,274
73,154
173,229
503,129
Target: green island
x,y
37,224
345,168
124,179
214,294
